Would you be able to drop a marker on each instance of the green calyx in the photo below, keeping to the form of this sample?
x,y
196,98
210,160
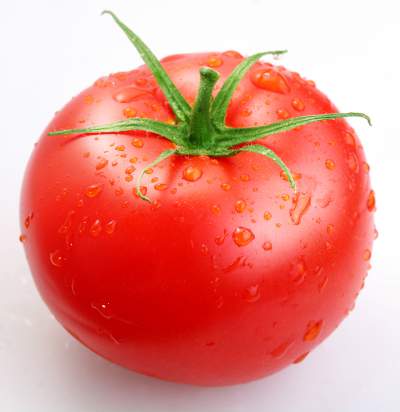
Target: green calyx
x,y
201,130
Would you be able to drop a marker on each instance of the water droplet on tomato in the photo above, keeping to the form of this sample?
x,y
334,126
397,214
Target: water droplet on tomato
x,y
267,246
313,330
349,139
56,258
109,227
244,178
192,173
298,271
301,202
324,201
367,254
285,197
267,216
352,162
371,201
93,190
101,164
96,228
103,309
160,186
67,225
138,143
298,104
240,206
330,164
216,210
329,229
128,94
129,112
214,61
282,114
225,186
219,240
233,53
242,236
281,350
252,294
269,79
234,265
22,238
301,357
120,148
365,166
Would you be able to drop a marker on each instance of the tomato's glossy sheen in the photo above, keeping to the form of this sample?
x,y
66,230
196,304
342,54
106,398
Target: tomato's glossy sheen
x,y
228,276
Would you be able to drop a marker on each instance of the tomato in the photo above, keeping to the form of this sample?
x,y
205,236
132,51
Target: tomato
x,y
228,274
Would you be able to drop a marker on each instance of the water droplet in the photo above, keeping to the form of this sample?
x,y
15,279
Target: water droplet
x,y
101,164
302,202
244,178
216,210
301,357
329,229
219,240
267,246
324,201
281,350
56,258
371,201
225,186
214,61
282,114
298,104
234,265
128,94
330,164
298,271
28,220
242,236
365,166
129,170
129,112
313,330
285,197
283,175
67,225
240,206
367,254
120,148
349,139
149,171
251,294
96,228
138,143
143,191
233,53
192,173
352,162
22,238
160,186
93,190
110,227
269,79
267,216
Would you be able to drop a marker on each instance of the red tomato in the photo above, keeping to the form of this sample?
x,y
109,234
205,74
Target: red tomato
x,y
228,275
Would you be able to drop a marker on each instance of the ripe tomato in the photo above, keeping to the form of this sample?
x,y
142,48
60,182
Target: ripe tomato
x,y
227,275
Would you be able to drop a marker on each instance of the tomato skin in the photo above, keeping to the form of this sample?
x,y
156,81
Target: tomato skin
x,y
175,289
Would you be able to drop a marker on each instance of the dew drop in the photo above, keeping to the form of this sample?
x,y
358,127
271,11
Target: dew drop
x,y
269,79
298,272
267,246
349,139
22,238
251,294
214,61
129,112
102,163
244,178
282,114
324,201
225,186
109,227
138,143
233,53
128,94
242,236
96,228
216,210
329,229
120,148
93,190
302,202
330,164
352,162
267,216
219,240
161,186
298,104
281,350
371,201
27,222
313,330
301,357
56,258
367,255
240,206
192,173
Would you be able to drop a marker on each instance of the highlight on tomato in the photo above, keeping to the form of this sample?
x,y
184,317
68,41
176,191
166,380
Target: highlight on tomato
x,y
206,218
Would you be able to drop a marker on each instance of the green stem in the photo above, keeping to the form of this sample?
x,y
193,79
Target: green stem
x,y
201,134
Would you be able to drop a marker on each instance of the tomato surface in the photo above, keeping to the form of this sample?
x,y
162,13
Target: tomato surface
x,y
228,275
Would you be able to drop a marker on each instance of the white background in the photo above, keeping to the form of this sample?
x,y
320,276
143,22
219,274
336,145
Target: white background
x,y
50,50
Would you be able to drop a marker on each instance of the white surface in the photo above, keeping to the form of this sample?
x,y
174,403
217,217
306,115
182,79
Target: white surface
x,y
52,49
